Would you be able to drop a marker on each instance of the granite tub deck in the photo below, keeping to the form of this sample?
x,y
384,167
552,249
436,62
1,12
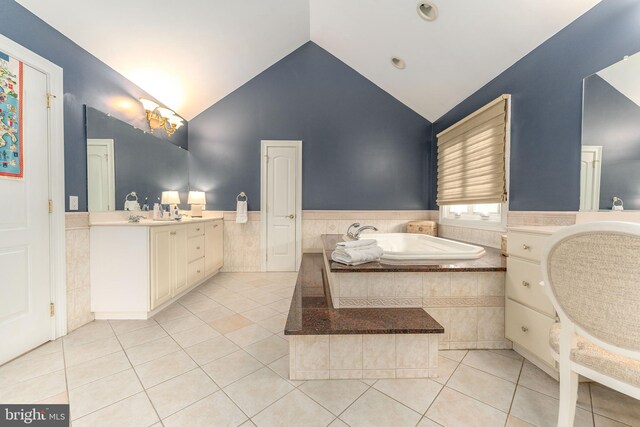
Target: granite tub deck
x,y
330,343
466,296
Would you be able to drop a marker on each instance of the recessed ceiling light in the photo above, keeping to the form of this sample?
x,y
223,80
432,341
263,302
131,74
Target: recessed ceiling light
x,y
427,11
398,63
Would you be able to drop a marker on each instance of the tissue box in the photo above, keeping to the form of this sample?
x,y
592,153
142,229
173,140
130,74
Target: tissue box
x,y
423,227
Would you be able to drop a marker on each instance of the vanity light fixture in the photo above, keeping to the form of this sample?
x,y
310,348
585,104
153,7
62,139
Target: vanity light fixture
x,y
427,11
398,63
197,200
161,117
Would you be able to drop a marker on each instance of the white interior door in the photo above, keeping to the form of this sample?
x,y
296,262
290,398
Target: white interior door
x,y
25,293
281,208
590,170
101,185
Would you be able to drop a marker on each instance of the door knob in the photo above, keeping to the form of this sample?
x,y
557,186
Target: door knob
x,y
291,216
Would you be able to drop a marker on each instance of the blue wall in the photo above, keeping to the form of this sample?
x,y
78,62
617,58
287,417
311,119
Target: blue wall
x,y
87,80
362,148
612,121
546,88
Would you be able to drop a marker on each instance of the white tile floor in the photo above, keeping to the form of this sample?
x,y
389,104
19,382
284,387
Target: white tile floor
x,y
218,357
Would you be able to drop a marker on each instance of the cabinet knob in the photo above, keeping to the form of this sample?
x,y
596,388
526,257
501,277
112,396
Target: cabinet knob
x,y
198,247
198,271
215,225
173,233
291,216
526,247
197,229
524,329
525,284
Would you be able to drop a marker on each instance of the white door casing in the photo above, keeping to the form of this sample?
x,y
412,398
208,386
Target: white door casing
x,y
32,251
281,205
101,175
590,171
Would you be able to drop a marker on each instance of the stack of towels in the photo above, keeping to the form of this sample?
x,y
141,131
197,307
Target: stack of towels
x,y
357,252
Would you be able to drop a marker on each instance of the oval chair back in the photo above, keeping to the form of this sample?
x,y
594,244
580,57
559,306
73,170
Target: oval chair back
x,y
591,274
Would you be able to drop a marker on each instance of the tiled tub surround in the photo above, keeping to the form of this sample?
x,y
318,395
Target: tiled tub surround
x,y
369,343
466,297
242,241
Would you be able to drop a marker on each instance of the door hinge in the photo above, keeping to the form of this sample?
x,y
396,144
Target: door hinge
x,y
52,309
49,96
50,206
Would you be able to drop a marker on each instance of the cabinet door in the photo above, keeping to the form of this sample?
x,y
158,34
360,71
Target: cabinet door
x,y
161,265
214,246
179,261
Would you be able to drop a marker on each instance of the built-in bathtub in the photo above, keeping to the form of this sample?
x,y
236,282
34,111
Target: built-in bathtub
x,y
466,296
408,247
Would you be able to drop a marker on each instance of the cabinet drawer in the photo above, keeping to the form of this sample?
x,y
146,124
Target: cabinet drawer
x,y
526,245
529,329
195,229
195,271
195,248
523,285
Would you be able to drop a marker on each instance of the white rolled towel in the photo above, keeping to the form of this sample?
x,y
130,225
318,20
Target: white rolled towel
x,y
241,212
356,243
358,255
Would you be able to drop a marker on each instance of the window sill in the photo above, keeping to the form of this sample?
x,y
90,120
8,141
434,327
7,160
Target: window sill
x,y
478,225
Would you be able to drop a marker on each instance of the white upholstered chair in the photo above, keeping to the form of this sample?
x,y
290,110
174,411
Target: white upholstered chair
x,y
591,273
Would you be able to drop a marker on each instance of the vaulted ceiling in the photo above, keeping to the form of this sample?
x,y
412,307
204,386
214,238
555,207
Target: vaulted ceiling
x,y
621,76
191,54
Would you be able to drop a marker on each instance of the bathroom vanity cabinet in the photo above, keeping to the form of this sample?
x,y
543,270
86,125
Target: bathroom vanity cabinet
x,y
138,269
529,314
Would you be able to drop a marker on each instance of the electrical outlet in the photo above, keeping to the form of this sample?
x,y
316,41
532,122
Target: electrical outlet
x,y
73,203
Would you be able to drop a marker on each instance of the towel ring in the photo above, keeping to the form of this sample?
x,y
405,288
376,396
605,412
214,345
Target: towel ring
x,y
241,195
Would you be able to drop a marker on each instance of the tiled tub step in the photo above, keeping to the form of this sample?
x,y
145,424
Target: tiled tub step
x,y
355,342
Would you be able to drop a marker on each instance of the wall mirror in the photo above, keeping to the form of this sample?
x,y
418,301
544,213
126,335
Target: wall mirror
x,y
122,159
610,159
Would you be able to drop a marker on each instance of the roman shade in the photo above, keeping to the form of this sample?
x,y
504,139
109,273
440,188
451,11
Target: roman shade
x,y
471,157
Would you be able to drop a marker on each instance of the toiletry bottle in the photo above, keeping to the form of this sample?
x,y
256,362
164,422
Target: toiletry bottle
x,y
157,211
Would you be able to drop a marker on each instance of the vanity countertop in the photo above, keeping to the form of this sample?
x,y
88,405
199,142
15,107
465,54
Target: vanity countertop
x,y
151,222
537,229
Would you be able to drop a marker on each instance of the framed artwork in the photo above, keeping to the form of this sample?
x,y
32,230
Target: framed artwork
x,y
11,140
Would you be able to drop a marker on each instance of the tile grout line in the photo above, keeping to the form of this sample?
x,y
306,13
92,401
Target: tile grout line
x,y
593,415
220,388
443,386
66,376
369,387
515,390
138,377
120,400
33,378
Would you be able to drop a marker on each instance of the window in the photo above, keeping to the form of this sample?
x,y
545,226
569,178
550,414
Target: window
x,y
485,215
473,168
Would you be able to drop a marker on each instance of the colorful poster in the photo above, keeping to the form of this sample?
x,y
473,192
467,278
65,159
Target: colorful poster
x,y
11,142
